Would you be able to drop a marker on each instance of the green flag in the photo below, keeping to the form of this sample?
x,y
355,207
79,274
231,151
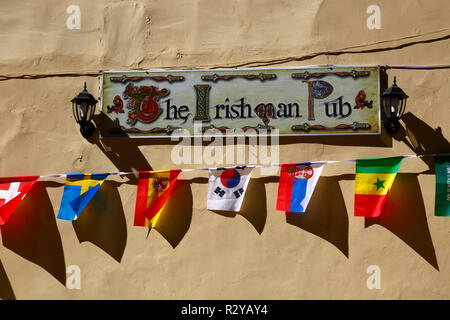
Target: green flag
x,y
442,170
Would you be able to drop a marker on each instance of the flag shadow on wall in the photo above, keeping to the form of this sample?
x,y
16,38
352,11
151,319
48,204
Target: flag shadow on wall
x,y
326,215
32,233
404,215
176,217
6,291
254,208
103,222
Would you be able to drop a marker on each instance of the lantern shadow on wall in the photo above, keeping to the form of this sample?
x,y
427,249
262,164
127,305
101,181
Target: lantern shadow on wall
x,y
422,139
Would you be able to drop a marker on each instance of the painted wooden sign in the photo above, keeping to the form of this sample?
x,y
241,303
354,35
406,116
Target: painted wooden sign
x,y
296,101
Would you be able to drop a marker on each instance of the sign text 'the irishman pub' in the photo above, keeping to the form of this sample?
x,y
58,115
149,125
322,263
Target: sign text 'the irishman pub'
x,y
296,101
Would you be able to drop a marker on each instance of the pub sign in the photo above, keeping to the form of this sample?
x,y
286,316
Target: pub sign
x,y
338,100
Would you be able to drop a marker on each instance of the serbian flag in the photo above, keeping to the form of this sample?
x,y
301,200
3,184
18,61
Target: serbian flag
x,y
154,188
296,186
12,191
374,178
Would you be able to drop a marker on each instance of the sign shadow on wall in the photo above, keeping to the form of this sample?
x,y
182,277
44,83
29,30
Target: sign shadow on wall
x,y
326,215
6,291
176,217
32,233
254,207
404,215
103,221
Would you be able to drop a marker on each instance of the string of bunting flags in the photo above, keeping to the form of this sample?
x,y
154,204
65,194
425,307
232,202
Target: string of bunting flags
x,y
227,187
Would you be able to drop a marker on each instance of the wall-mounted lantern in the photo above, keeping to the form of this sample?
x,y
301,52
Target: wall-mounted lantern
x,y
83,106
393,101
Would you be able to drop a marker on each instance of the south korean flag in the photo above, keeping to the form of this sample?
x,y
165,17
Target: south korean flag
x,y
226,188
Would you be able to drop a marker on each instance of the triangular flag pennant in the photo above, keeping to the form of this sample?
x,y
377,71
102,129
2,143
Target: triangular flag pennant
x,y
12,191
373,180
226,188
442,171
154,188
296,186
78,191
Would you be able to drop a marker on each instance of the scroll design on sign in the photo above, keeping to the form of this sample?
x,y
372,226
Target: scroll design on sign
x,y
262,77
318,127
168,130
245,129
258,127
170,78
213,127
307,75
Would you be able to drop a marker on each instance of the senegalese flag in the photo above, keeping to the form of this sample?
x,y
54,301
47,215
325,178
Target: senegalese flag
x,y
154,188
78,191
374,178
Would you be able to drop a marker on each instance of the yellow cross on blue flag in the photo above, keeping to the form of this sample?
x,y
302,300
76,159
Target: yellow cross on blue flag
x,y
78,191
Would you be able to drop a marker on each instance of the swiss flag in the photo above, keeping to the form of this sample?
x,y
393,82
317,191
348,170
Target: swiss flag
x,y
12,191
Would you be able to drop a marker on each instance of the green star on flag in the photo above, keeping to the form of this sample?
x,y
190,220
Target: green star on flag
x,y
379,183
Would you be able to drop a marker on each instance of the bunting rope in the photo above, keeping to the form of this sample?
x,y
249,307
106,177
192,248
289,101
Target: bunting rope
x,y
124,173
227,186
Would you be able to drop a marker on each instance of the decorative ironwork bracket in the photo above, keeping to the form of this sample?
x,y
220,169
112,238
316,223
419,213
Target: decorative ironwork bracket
x,y
262,77
317,127
245,129
307,75
170,78
168,130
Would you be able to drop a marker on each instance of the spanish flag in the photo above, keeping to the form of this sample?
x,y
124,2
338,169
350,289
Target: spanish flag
x,y
374,178
154,188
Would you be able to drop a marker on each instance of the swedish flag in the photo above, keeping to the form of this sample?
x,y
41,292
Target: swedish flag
x,y
78,191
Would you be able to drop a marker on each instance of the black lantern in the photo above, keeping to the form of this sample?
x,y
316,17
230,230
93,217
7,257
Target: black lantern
x,y
83,106
393,101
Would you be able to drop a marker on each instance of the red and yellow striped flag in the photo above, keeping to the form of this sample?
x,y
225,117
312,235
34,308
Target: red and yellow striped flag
x,y
374,178
154,188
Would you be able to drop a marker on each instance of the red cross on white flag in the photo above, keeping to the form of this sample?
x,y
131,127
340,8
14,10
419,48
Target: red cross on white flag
x,y
12,191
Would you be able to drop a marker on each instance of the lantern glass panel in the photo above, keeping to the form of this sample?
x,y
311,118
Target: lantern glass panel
x,y
75,112
402,107
394,107
91,113
84,111
386,106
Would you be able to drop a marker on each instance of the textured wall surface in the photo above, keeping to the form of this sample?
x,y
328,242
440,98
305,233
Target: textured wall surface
x,y
259,253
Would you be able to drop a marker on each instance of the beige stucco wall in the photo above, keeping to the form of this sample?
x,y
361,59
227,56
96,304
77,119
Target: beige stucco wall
x,y
195,253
